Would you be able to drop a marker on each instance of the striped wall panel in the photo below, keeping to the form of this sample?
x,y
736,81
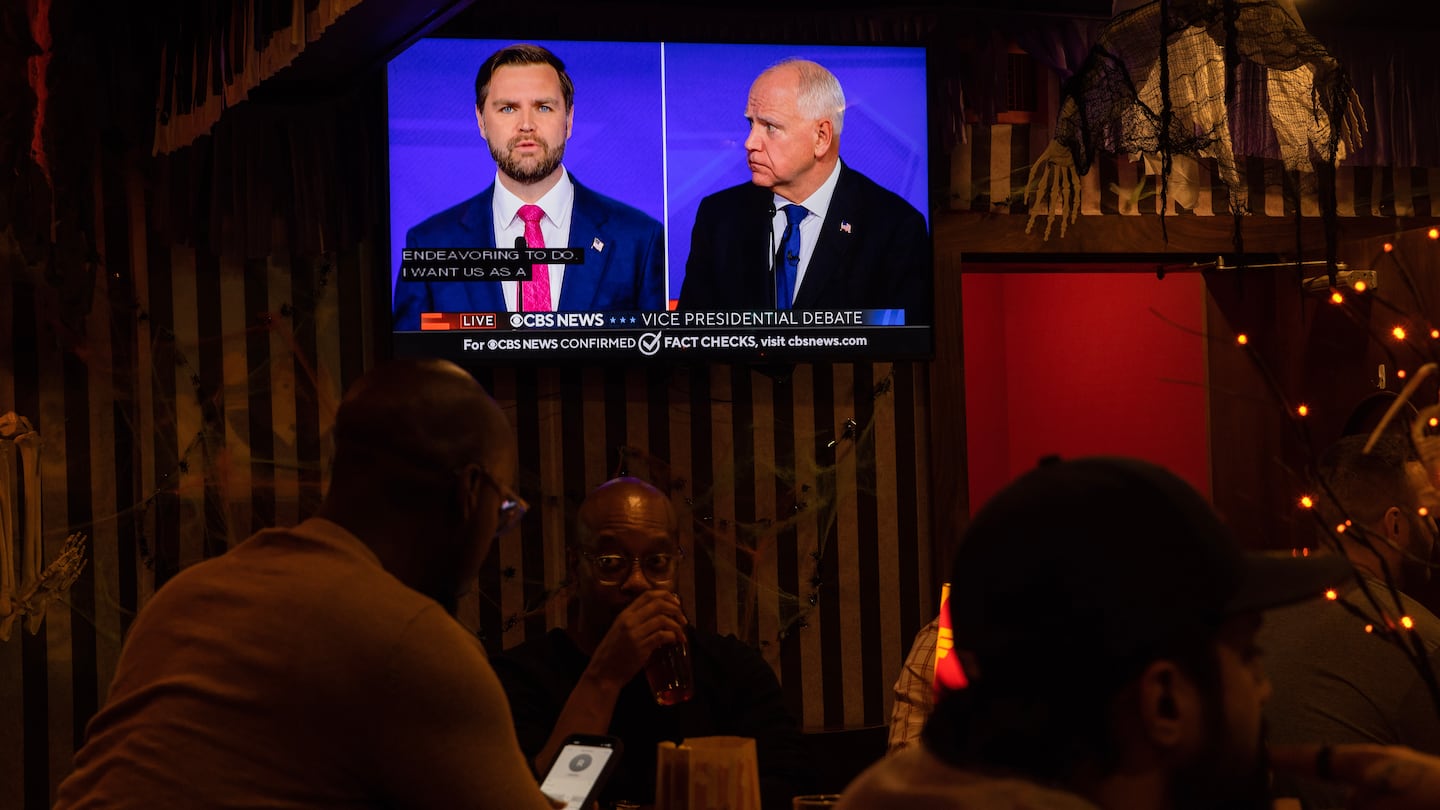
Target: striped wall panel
x,y
990,169
187,403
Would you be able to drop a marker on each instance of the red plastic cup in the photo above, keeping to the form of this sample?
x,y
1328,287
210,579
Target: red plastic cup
x,y
672,679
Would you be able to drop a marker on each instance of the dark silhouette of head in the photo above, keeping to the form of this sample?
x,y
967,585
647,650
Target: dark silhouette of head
x,y
424,473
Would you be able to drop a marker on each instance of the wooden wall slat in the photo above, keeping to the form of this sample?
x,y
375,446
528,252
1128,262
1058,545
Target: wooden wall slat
x,y
310,400
138,209
682,472
809,537
739,554
767,605
106,560
55,516
280,377
189,442
846,593
209,389
721,606
258,402
237,479
889,587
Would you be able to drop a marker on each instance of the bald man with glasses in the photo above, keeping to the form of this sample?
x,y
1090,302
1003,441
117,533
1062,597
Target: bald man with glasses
x,y
589,678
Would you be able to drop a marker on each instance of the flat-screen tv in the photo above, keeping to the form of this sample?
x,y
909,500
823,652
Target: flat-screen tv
x,y
678,241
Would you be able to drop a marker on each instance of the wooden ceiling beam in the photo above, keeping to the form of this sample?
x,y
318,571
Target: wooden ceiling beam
x,y
1001,237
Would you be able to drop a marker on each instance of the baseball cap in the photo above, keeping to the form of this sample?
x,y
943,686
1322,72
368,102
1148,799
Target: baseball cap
x,y
1091,562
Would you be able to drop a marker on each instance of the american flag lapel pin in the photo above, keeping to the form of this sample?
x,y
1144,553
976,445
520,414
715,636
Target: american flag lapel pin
x,y
844,226
597,245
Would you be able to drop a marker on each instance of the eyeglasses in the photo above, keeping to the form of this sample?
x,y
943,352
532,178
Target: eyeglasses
x,y
512,506
613,569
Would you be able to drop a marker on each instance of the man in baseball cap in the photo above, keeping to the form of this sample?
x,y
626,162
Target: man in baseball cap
x,y
1105,620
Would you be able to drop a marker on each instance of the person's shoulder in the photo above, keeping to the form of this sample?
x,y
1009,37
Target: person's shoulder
x,y
449,219
875,194
549,650
621,213
740,192
724,207
727,646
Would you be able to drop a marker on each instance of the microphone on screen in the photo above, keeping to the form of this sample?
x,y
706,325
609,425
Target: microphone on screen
x,y
519,299
770,229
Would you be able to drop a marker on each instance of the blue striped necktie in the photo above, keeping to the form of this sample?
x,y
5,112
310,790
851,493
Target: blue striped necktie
x,y
787,260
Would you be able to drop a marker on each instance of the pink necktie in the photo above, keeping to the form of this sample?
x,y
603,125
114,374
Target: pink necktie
x,y
535,293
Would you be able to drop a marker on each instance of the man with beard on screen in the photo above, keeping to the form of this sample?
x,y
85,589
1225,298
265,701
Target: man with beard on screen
x,y
1105,621
524,105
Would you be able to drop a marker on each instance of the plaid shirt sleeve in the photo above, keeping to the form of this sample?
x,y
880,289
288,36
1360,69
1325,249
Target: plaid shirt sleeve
x,y
914,689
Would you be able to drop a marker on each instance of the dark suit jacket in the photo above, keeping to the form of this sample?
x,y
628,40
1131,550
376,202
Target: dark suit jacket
x,y
627,274
881,262
736,694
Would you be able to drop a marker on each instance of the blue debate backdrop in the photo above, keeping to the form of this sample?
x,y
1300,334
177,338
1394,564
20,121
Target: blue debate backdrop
x,y
657,125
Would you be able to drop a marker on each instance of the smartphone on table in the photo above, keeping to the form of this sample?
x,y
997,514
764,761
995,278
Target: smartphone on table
x,y
580,771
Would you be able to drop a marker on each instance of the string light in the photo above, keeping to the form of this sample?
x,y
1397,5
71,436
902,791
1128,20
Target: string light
x,y
1332,595
1400,373
1398,332
1242,338
1407,622
1303,410
1435,333
1359,286
1424,511
1337,298
1369,628
1340,528
1434,422
1306,501
1388,247
1433,233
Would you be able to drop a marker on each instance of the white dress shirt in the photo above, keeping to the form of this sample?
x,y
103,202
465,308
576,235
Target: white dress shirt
x,y
554,226
818,204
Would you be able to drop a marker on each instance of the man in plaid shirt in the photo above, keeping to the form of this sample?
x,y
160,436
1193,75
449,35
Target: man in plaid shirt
x,y
914,689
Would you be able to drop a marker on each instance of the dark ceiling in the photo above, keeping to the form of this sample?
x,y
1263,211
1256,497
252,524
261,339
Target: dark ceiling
x,y
364,38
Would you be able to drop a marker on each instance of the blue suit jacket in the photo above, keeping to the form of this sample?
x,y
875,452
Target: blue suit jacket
x,y
873,253
624,267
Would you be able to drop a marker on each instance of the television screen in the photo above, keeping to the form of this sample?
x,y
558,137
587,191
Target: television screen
x,y
657,211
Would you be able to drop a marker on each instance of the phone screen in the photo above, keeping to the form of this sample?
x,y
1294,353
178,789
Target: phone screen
x,y
573,775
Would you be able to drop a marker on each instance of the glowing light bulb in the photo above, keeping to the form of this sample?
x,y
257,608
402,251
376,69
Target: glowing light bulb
x,y
1433,233
1332,595
1435,333
1242,338
1359,286
1337,298
1303,410
1398,332
1400,373
1369,628
1388,247
1424,511
1306,501
1407,622
1434,422
1340,528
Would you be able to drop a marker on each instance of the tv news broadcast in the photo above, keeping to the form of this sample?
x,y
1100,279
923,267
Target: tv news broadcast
x,y
629,200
